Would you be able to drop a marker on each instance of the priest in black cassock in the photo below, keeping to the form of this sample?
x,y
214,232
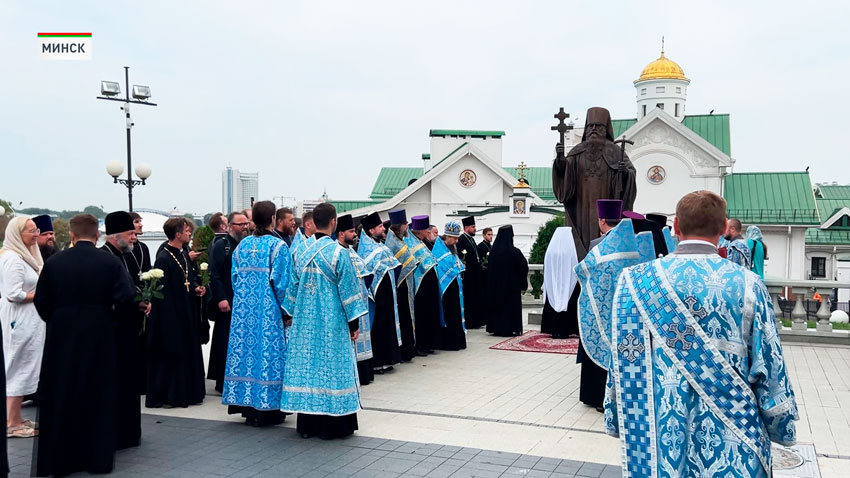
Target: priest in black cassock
x,y
175,361
221,294
508,276
395,241
473,277
46,239
426,301
141,256
120,237
77,295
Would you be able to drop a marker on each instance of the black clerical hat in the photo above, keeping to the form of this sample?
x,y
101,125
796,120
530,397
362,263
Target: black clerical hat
x,y
659,219
118,221
44,223
344,223
468,221
370,221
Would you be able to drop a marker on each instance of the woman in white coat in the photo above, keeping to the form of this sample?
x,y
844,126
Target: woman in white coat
x,y
23,329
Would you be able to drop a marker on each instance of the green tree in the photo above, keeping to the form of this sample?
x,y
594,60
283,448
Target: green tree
x,y
201,241
62,230
94,211
4,219
538,251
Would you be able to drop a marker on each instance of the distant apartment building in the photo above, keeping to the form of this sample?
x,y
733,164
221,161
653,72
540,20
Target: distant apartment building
x,y
238,189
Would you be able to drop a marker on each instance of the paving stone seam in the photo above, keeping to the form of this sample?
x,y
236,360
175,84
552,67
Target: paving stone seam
x,y
483,419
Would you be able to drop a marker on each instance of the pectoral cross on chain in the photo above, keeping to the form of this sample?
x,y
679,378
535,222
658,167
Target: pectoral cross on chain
x,y
622,142
562,127
187,285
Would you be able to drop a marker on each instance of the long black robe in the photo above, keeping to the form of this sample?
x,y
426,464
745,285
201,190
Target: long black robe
x,y
593,378
4,458
128,325
142,257
484,256
175,361
426,310
76,296
408,341
221,288
473,282
561,325
453,336
385,349
508,277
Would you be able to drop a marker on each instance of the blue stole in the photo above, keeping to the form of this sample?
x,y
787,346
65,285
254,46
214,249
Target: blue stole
x,y
645,246
402,254
650,313
597,275
377,259
424,259
449,268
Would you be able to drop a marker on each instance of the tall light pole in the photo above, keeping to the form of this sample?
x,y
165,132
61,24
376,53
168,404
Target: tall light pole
x,y
109,90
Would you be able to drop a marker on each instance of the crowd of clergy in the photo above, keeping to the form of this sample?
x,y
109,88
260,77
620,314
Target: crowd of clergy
x,y
304,315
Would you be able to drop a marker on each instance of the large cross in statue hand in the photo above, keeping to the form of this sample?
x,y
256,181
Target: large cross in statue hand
x,y
562,127
622,142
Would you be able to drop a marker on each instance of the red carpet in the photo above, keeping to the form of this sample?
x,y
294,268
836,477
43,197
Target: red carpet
x,y
533,341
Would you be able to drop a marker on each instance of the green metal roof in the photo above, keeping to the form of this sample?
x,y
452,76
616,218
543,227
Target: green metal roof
x,y
465,132
771,198
392,181
343,206
828,207
827,237
712,128
835,192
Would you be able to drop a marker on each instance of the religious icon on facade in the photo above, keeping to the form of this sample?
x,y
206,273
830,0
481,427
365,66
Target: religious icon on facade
x,y
467,178
519,207
656,175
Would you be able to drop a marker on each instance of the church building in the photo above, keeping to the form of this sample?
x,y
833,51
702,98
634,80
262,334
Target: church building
x,y
674,153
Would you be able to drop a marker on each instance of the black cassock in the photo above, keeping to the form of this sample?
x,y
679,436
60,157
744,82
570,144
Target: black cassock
x,y
408,342
561,325
4,458
221,288
453,335
385,349
77,295
473,282
142,259
128,324
507,272
426,310
175,361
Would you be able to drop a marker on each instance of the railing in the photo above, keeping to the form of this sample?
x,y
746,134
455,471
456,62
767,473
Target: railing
x,y
804,291
800,309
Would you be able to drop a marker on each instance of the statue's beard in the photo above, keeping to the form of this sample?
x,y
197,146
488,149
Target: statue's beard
x,y
595,147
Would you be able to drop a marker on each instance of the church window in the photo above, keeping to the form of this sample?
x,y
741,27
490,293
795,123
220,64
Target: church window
x,y
677,110
643,91
659,89
818,266
678,89
659,105
644,111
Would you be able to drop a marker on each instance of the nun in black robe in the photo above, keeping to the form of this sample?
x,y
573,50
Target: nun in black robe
x,y
507,274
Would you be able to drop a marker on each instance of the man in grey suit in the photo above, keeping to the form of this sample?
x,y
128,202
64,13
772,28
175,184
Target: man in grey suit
x,y
609,212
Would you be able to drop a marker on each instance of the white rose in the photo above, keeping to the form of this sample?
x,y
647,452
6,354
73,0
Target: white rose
x,y
157,273
204,266
146,276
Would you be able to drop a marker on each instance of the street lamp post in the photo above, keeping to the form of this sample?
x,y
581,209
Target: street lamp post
x,y
110,89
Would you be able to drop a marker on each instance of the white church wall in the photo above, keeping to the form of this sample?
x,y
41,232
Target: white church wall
x,y
678,180
443,146
786,252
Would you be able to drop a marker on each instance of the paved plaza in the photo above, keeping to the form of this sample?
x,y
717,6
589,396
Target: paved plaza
x,y
477,412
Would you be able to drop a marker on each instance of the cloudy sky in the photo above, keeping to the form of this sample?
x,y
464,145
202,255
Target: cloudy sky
x,y
321,95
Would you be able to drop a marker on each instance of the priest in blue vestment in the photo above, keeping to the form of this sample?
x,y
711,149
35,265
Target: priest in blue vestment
x,y
325,301
253,374
404,281
345,236
426,292
383,311
449,269
697,384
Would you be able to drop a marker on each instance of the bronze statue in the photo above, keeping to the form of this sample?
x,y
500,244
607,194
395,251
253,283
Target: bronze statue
x,y
594,169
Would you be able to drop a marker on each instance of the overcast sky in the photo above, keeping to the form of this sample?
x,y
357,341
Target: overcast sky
x,y
321,95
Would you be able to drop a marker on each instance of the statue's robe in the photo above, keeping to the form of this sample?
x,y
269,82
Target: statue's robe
x,y
588,173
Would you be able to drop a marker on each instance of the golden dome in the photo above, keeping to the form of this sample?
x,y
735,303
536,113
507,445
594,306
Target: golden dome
x,y
662,68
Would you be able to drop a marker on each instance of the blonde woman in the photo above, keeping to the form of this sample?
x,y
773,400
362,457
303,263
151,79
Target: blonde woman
x,y
23,330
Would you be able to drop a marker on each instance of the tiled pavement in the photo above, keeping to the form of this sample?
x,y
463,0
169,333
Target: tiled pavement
x,y
527,404
188,448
